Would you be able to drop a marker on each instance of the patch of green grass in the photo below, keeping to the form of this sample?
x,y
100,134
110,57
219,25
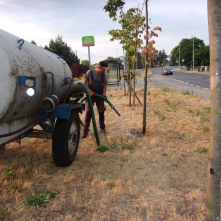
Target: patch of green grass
x,y
198,112
167,101
112,143
111,184
187,93
13,186
8,173
202,150
148,93
204,118
204,128
190,111
174,108
125,144
102,148
41,198
3,214
207,109
166,89
161,116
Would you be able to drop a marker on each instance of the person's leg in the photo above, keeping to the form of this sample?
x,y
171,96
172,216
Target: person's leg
x,y
101,108
87,118
101,120
87,123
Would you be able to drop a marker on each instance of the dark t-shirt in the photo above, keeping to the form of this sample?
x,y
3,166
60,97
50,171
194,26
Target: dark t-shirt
x,y
97,77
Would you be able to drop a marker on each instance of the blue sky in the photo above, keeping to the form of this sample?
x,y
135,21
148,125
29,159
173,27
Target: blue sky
x,y
43,20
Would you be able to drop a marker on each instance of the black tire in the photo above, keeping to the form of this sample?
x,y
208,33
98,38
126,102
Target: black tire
x,y
65,140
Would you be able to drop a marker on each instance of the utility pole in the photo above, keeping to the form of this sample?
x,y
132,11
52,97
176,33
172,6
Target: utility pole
x,y
145,78
193,53
89,57
179,56
214,161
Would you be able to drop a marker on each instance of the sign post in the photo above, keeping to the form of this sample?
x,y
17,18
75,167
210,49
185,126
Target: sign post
x,y
88,41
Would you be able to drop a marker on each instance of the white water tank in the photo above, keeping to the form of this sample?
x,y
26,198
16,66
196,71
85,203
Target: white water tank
x,y
23,66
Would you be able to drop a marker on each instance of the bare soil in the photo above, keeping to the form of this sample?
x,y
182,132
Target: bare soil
x,y
157,176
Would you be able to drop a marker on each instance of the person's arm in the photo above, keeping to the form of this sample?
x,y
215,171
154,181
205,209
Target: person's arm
x,y
105,85
85,81
104,90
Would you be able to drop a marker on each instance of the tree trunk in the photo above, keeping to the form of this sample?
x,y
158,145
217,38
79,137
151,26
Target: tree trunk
x,y
135,95
145,78
134,92
124,88
129,88
129,81
214,161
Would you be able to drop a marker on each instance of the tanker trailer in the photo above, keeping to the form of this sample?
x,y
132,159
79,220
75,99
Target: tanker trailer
x,y
36,88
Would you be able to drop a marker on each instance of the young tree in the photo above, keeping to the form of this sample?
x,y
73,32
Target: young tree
x,y
61,48
132,26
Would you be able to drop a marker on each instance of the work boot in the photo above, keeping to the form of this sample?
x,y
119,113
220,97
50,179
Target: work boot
x,y
101,120
85,134
103,131
87,123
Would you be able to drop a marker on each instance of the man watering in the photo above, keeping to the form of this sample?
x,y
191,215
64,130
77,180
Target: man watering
x,y
96,82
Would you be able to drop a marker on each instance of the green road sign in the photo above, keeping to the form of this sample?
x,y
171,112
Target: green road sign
x,y
88,41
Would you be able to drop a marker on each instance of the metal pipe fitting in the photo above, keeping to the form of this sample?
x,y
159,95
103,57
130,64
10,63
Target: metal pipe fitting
x,y
50,103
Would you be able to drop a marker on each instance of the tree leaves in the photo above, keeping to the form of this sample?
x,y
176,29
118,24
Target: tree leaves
x,y
185,49
61,48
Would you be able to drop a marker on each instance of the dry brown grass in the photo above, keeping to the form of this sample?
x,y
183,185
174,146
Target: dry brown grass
x,y
159,176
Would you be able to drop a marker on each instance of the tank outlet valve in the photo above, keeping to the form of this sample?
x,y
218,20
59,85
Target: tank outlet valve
x,y
49,103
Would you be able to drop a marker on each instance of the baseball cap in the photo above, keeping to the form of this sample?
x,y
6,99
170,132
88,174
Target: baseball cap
x,y
103,64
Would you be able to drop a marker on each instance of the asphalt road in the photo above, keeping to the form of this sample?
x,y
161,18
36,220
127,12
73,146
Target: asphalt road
x,y
196,83
201,79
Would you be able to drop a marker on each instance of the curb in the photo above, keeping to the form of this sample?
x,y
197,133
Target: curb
x,y
195,72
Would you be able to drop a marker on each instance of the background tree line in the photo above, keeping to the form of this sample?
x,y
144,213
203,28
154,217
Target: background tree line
x,y
184,51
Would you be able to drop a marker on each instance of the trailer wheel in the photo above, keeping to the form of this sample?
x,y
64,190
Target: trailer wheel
x,y
65,140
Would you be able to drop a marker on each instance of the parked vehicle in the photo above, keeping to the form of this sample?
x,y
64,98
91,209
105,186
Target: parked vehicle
x,y
167,70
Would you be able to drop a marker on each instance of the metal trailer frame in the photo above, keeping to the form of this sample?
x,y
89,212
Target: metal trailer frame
x,y
62,111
